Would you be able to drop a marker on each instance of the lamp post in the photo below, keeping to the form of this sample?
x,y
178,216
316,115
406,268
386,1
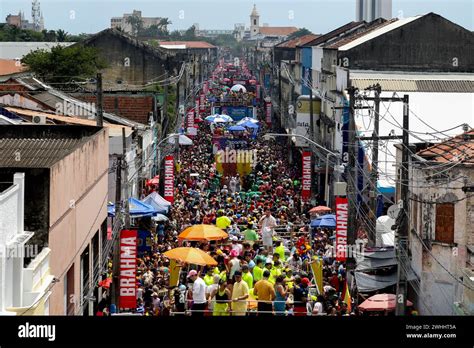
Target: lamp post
x,y
268,136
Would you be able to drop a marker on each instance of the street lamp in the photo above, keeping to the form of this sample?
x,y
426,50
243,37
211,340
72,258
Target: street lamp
x,y
269,136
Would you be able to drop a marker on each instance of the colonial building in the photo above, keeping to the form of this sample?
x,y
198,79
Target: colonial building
x,y
125,24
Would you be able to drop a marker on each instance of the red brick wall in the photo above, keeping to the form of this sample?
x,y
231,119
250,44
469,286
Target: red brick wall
x,y
132,107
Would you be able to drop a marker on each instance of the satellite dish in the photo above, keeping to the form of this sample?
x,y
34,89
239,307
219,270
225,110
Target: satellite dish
x,y
393,211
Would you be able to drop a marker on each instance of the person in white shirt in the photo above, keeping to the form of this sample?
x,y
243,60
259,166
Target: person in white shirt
x,y
198,293
267,223
210,289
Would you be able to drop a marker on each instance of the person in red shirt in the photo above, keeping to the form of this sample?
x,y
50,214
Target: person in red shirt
x,y
334,281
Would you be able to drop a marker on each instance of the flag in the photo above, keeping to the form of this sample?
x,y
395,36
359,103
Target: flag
x,y
317,268
347,298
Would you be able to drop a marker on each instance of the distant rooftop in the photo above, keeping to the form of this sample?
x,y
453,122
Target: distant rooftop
x,y
185,44
277,31
14,50
297,41
457,149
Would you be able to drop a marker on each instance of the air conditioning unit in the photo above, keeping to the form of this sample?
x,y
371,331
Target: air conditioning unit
x,y
39,119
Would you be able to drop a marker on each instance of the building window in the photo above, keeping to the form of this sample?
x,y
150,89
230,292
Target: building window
x,y
254,22
444,223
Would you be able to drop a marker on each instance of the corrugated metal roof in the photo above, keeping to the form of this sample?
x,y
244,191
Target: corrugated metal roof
x,y
334,33
297,41
380,31
402,85
185,44
14,50
35,153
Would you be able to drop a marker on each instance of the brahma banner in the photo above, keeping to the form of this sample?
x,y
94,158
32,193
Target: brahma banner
x,y
190,130
202,102
306,177
169,179
268,113
128,269
342,210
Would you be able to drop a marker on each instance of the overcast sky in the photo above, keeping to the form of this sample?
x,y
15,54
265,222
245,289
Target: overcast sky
x,y
319,16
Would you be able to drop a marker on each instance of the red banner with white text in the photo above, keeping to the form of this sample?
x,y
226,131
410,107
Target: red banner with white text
x,y
342,212
306,177
128,269
169,179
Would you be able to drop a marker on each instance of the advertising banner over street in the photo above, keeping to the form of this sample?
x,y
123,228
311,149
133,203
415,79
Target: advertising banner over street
x,y
202,102
268,113
196,108
169,179
306,181
128,269
342,209
190,124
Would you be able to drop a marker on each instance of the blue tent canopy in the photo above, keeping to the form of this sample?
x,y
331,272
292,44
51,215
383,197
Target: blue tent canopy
x,y
250,124
136,208
236,128
325,221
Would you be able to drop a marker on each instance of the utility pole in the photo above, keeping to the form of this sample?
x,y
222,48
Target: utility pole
x,y
351,180
100,103
125,174
402,235
375,165
118,214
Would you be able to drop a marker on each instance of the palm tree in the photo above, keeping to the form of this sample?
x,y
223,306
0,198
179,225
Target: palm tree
x,y
62,35
136,23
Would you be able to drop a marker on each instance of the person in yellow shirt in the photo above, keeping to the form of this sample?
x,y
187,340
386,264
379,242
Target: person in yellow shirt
x,y
247,276
280,250
240,294
257,270
289,278
222,221
275,271
209,277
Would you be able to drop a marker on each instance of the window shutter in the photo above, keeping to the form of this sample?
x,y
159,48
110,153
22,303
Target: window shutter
x,y
445,223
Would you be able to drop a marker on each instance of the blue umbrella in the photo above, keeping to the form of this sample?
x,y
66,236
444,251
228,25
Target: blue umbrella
x,y
325,221
249,124
136,208
236,128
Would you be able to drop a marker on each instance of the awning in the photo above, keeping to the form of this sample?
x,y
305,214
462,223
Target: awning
x,y
369,283
136,208
376,259
160,204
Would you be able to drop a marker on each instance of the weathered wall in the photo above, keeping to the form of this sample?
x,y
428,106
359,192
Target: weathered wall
x,y
78,206
427,44
439,290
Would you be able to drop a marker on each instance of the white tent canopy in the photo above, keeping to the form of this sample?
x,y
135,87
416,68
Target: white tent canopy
x,y
385,236
157,202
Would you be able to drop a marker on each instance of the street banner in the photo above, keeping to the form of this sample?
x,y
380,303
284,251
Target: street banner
x,y
342,209
169,179
196,108
268,113
306,181
190,118
128,269
257,92
201,102
144,243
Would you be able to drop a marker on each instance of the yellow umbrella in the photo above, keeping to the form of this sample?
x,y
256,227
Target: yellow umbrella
x,y
203,232
193,256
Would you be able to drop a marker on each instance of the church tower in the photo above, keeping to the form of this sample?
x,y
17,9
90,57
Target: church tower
x,y
254,22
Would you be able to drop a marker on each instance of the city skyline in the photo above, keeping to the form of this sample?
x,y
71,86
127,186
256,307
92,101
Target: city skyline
x,y
74,18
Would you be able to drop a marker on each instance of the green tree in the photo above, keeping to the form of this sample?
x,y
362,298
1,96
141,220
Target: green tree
x,y
190,34
62,35
64,64
136,23
298,33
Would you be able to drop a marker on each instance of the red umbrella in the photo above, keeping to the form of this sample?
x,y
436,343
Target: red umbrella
x,y
105,283
380,302
319,209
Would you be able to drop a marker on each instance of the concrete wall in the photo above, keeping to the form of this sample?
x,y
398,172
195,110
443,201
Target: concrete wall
x,y
78,206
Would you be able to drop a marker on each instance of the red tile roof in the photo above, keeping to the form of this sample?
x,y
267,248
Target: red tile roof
x,y
10,66
278,31
297,41
457,149
188,44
